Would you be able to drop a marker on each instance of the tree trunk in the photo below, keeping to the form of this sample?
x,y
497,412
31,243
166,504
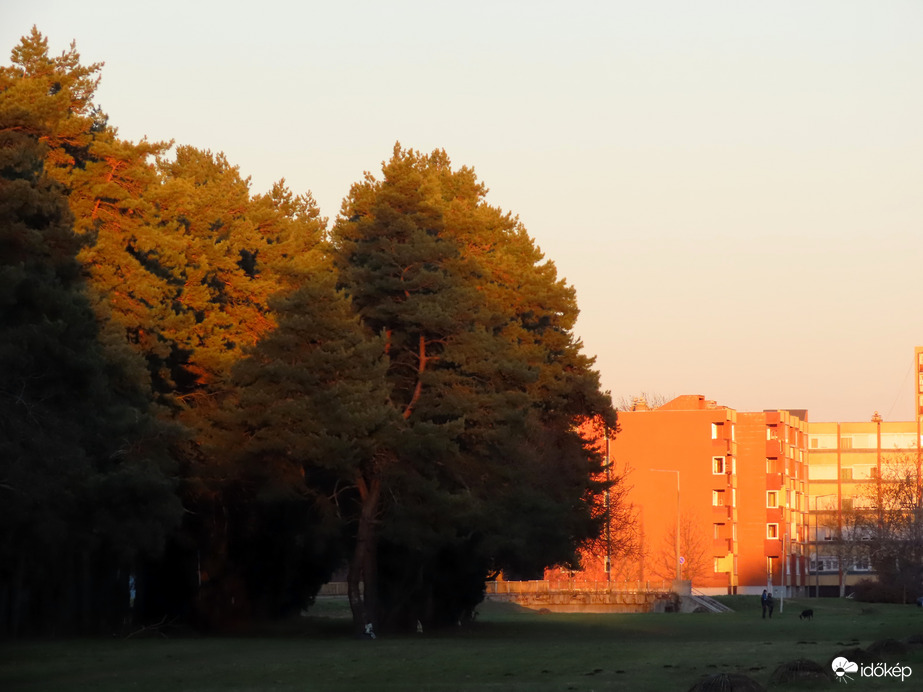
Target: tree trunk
x,y
361,581
17,597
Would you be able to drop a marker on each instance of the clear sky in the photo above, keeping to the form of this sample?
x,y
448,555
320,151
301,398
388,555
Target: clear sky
x,y
734,188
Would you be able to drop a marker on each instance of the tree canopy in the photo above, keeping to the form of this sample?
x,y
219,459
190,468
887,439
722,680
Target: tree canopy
x,y
226,402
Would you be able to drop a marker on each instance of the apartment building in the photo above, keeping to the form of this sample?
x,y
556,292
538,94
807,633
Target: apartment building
x,y
731,485
773,491
848,463
756,498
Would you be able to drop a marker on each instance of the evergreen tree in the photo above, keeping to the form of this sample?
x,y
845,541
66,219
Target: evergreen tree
x,y
487,379
81,480
309,422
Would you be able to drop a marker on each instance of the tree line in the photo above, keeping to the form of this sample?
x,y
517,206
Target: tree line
x,y
212,401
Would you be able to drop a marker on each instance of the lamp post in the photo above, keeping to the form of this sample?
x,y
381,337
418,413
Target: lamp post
x,y
816,544
679,575
608,563
876,419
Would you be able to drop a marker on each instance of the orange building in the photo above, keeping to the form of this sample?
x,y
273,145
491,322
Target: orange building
x,y
730,485
773,500
756,498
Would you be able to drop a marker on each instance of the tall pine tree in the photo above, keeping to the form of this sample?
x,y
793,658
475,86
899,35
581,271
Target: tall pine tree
x,y
487,380
83,495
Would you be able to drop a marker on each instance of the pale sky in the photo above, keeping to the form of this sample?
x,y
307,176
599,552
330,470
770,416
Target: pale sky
x,y
734,188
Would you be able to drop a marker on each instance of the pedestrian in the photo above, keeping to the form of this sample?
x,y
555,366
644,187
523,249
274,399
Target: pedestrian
x,y
770,603
764,603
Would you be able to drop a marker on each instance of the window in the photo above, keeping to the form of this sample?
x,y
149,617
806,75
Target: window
x,y
717,498
717,531
714,431
845,443
847,504
873,472
772,498
846,474
717,465
717,565
772,530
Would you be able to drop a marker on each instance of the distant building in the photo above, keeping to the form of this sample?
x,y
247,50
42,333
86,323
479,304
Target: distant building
x,y
759,498
738,480
846,462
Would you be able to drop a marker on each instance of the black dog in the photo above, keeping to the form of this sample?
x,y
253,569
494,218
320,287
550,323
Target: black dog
x,y
807,614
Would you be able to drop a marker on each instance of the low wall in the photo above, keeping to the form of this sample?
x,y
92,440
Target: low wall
x,y
566,596
571,597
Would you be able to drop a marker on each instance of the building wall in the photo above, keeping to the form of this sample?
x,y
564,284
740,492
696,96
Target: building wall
x,y
689,441
845,468
762,495
726,464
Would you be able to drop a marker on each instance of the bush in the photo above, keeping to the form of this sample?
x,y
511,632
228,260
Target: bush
x,y
872,591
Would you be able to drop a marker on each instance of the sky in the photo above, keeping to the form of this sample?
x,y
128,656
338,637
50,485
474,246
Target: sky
x,y
735,189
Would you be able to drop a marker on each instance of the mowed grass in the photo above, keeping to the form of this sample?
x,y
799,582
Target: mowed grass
x,y
508,648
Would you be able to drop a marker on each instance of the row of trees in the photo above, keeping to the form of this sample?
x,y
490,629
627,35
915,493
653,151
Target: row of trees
x,y
210,397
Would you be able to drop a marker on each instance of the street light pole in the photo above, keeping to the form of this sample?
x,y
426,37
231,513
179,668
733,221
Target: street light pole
x,y
608,563
679,573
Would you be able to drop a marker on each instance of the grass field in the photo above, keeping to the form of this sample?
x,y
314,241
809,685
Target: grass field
x,y
508,648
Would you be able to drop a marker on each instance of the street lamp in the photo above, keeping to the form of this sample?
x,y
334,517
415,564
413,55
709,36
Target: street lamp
x,y
876,419
608,563
679,575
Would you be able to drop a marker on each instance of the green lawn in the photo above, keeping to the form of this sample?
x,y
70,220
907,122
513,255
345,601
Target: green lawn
x,y
508,648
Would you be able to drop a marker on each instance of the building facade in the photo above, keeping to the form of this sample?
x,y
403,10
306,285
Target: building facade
x,y
738,501
848,469
730,485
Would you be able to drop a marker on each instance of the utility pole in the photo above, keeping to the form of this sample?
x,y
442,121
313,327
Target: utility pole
x,y
608,563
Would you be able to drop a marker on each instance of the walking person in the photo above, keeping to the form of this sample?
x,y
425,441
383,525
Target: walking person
x,y
764,602
770,604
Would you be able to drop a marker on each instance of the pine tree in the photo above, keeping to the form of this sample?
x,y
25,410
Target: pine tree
x,y
81,479
487,377
309,422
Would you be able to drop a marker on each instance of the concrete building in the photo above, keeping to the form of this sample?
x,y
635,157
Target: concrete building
x,y
756,498
847,466
731,485
773,500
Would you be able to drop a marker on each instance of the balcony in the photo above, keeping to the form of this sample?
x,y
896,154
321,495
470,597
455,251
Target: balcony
x,y
720,547
774,449
720,513
772,547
